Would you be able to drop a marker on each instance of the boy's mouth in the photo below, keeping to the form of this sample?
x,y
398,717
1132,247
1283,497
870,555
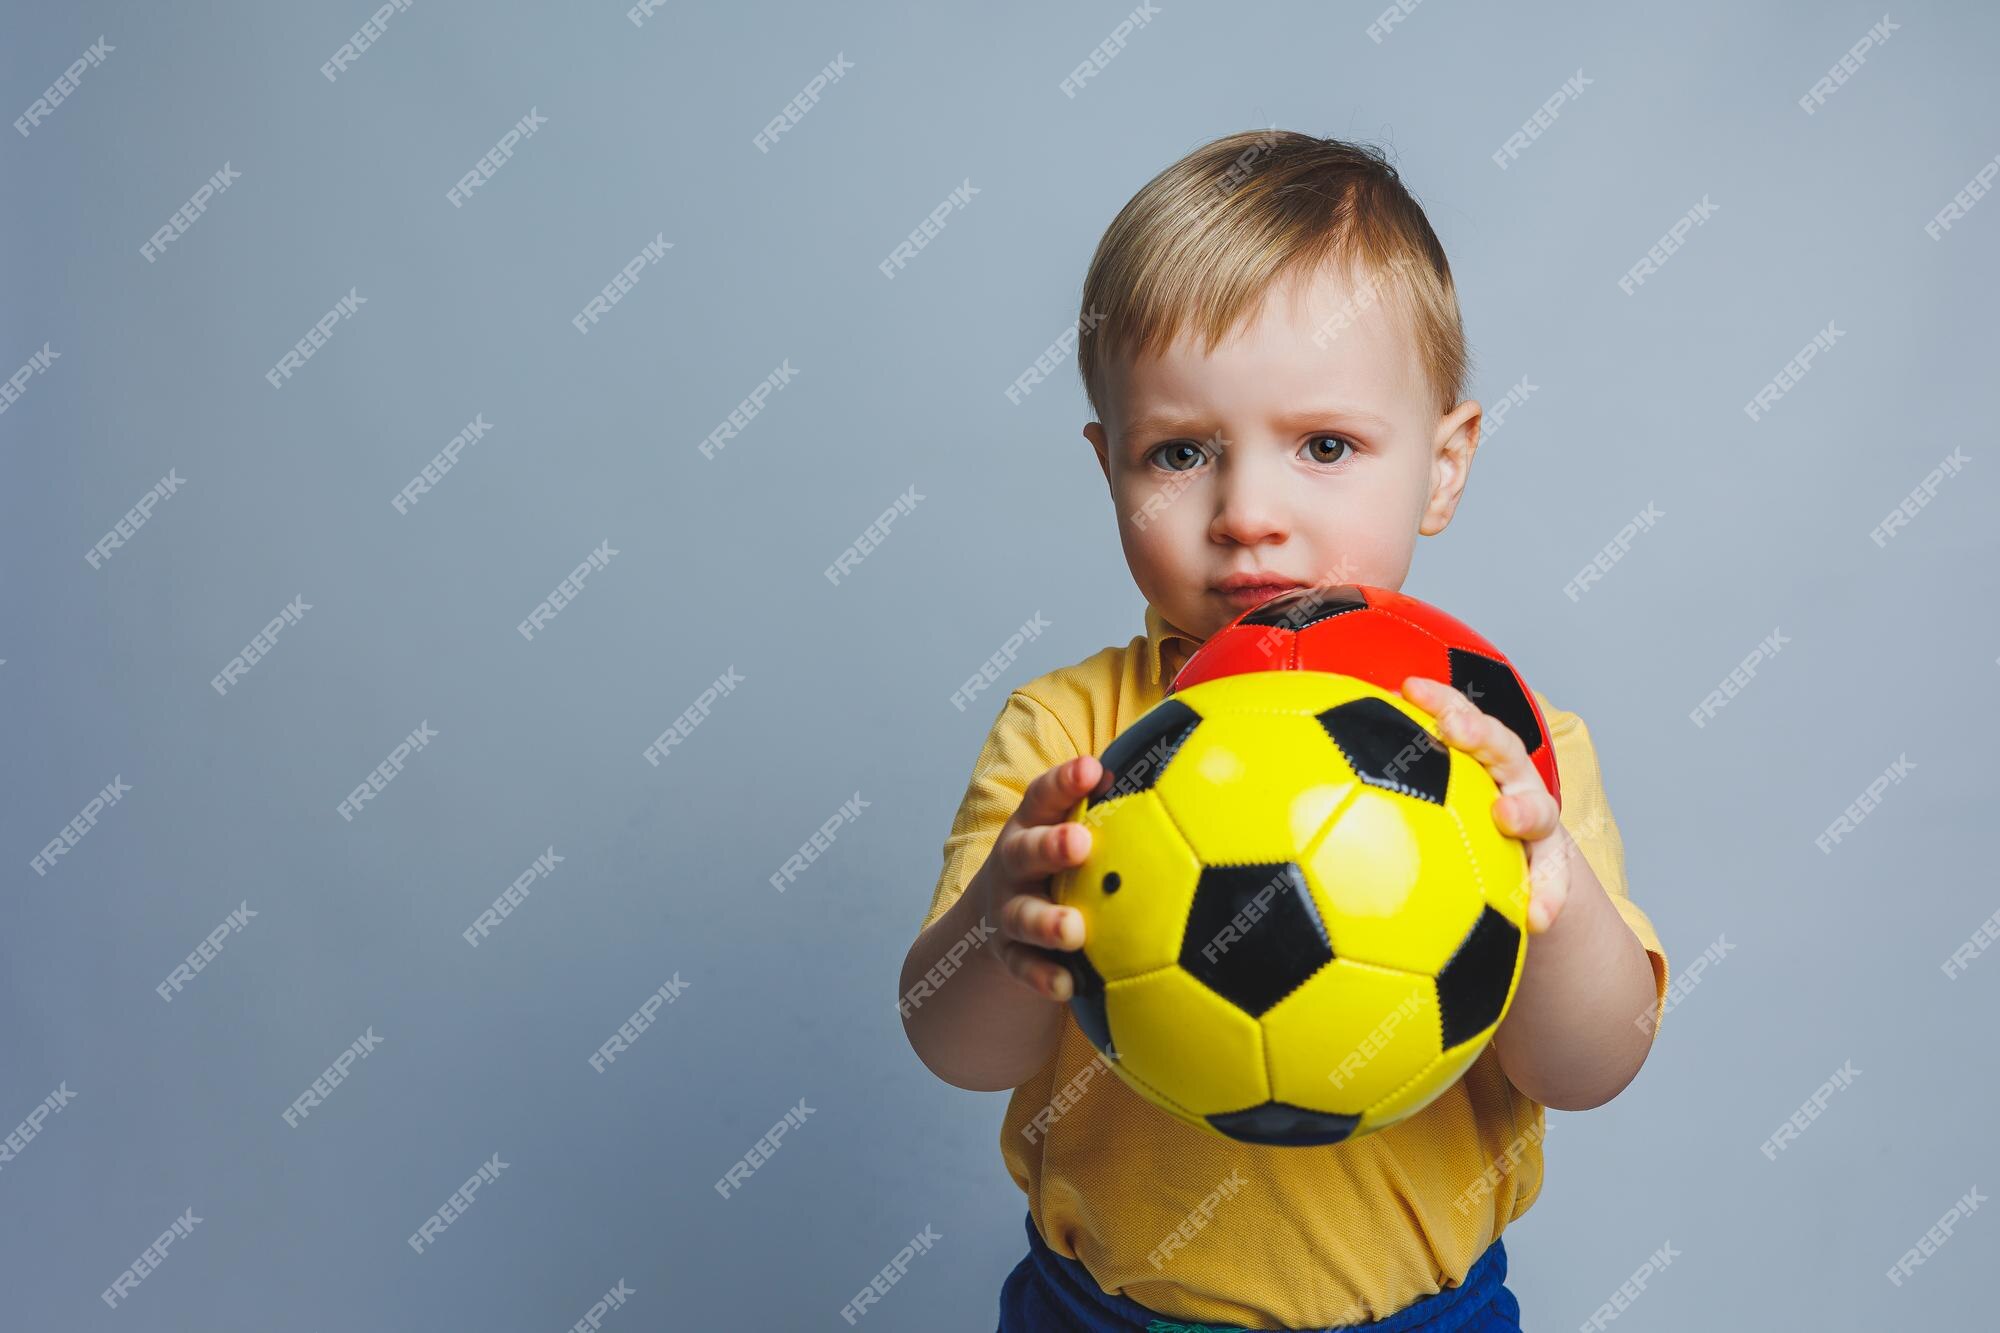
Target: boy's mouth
x,y
1245,592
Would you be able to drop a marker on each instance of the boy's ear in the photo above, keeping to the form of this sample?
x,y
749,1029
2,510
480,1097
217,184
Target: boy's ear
x,y
1456,440
1094,432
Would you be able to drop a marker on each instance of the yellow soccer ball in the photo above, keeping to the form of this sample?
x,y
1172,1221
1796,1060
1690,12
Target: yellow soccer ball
x,y
1301,922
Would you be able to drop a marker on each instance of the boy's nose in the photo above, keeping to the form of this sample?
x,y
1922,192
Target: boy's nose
x,y
1250,511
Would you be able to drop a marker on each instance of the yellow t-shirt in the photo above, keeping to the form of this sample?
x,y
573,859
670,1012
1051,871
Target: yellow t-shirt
x,y
1302,1237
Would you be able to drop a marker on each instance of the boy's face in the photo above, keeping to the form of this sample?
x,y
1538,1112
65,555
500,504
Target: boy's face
x,y
1278,457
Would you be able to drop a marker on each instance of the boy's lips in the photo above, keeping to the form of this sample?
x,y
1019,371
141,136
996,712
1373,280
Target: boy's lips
x,y
1244,593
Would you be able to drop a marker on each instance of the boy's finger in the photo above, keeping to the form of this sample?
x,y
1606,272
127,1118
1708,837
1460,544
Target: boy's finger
x,y
1543,908
1039,971
1036,853
1527,815
1548,887
1036,920
1051,796
1464,724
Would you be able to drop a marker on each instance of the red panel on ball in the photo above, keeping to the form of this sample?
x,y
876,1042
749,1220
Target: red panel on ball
x,y
1235,649
1384,650
1422,614
1383,637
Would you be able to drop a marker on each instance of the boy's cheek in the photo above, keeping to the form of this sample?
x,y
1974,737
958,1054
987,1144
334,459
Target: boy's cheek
x,y
1146,530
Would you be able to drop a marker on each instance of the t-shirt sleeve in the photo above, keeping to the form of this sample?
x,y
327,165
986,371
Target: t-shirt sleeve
x,y
1026,741
1586,815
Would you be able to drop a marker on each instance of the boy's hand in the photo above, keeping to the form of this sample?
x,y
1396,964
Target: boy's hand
x,y
1013,886
1524,810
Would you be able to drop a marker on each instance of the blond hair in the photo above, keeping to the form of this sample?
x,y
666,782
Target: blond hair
x,y
1199,245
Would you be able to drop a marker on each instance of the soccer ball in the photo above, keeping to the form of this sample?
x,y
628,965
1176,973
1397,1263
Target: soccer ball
x,y
1301,922
1382,637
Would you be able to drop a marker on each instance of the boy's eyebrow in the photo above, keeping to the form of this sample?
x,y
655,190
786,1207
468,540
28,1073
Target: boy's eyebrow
x,y
1180,423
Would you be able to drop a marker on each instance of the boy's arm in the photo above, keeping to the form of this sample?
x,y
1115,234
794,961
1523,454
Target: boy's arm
x,y
972,1023
1582,1019
1570,1040
1595,985
974,998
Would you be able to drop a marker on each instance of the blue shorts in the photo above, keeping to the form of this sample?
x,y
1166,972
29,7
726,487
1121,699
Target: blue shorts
x,y
1048,1293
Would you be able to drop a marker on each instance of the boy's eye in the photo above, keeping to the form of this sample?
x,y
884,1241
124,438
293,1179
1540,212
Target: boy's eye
x,y
1179,455
1328,448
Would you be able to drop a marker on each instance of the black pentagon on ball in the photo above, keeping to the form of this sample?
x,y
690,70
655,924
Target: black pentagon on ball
x,y
1286,1125
1497,690
1472,988
1138,755
1086,1001
1254,933
1301,607
1386,748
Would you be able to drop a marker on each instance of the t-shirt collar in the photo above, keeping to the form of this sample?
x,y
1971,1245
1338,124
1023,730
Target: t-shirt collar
x,y
1160,633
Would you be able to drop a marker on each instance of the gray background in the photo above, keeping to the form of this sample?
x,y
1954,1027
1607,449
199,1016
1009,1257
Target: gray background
x,y
1639,398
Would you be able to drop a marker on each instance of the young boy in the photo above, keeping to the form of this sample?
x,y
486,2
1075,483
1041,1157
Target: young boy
x,y
1278,370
